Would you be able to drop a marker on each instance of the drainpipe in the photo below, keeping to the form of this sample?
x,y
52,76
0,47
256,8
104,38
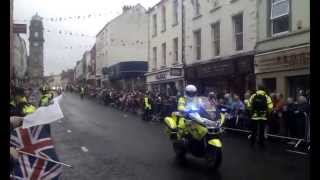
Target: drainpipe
x,y
148,38
183,40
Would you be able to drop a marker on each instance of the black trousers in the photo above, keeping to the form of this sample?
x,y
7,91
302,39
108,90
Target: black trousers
x,y
255,125
146,115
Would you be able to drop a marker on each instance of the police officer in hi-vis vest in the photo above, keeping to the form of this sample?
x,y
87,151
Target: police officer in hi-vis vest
x,y
147,107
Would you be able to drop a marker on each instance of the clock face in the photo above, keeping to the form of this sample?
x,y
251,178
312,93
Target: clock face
x,y
35,44
36,34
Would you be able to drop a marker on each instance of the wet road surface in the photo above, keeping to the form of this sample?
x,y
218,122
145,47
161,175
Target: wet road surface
x,y
105,143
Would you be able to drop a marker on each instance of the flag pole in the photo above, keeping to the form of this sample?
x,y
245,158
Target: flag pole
x,y
57,162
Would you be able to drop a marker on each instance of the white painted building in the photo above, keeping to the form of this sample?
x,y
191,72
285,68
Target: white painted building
x,y
123,39
282,61
55,81
79,70
87,62
19,56
220,40
165,51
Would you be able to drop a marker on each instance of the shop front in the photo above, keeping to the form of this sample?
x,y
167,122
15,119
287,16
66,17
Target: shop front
x,y
126,75
284,71
234,75
168,81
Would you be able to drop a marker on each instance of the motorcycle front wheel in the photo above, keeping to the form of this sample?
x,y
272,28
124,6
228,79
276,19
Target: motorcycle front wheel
x,y
213,158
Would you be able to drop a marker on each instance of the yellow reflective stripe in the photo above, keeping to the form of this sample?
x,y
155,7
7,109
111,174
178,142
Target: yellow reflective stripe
x,y
259,118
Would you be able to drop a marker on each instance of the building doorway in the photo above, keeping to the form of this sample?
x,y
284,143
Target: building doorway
x,y
270,84
298,85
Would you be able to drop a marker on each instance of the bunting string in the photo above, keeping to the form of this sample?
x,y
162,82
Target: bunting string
x,y
74,18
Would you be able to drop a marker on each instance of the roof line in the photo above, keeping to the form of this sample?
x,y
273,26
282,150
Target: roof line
x,y
117,17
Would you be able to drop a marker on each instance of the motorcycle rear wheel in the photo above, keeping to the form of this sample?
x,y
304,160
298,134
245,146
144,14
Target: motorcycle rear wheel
x,y
214,158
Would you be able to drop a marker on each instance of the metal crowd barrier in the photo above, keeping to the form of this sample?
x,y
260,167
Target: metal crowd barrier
x,y
299,140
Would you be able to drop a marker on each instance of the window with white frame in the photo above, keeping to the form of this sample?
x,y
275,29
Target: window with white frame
x,y
175,11
215,34
154,19
238,31
197,44
164,52
175,50
154,49
279,19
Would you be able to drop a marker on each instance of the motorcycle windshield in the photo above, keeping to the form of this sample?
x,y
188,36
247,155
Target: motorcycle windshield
x,y
208,109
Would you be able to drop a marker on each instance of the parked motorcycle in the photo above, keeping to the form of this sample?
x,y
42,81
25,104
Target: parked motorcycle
x,y
197,131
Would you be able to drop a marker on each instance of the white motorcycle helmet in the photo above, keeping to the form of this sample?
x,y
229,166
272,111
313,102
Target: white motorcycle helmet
x,y
191,90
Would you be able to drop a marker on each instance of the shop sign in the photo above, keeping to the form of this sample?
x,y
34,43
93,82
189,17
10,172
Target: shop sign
x,y
161,76
224,67
245,66
175,71
289,60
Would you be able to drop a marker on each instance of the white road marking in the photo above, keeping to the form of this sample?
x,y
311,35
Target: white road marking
x,y
84,149
69,131
297,152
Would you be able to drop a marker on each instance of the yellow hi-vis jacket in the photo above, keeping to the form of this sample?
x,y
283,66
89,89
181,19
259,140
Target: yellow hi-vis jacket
x,y
28,109
269,104
147,105
181,103
44,101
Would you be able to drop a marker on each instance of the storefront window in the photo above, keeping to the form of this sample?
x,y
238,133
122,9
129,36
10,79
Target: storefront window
x,y
298,85
270,84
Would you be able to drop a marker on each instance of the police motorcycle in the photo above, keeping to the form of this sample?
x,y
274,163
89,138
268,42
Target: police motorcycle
x,y
197,131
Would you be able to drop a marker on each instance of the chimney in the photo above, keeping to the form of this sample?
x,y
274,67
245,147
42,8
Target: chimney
x,y
126,8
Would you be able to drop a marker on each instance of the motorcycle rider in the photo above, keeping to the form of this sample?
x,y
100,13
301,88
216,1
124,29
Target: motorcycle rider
x,y
191,100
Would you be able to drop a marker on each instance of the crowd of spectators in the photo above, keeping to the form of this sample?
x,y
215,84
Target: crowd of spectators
x,y
290,117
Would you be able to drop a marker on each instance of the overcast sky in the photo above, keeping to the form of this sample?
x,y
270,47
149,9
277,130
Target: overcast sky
x,y
56,56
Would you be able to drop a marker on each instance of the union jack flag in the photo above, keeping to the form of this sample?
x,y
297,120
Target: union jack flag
x,y
35,140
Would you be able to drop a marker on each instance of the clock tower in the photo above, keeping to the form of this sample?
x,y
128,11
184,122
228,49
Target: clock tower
x,y
35,60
